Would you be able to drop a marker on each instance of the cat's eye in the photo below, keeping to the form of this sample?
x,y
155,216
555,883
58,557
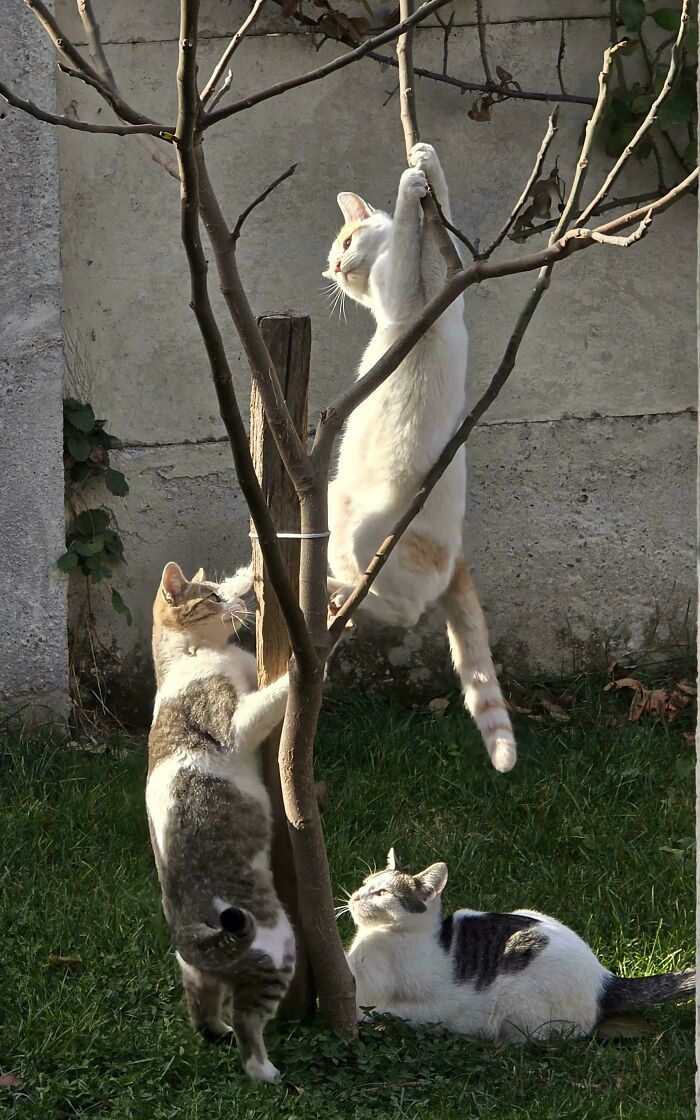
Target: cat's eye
x,y
346,243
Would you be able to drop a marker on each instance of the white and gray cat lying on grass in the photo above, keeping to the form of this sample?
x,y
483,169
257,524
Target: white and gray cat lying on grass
x,y
506,977
209,813
393,267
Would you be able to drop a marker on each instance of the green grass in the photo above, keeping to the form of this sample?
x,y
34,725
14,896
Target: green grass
x,y
595,826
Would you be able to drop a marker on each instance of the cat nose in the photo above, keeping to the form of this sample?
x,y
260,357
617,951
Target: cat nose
x,y
336,267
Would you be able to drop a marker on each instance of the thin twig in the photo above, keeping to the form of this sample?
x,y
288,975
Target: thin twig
x,y
648,120
611,204
97,53
71,122
331,67
106,75
560,57
226,57
622,242
446,26
65,47
261,198
458,233
534,176
482,43
447,79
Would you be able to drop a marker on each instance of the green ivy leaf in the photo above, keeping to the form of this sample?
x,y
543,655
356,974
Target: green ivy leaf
x,y
676,109
690,155
642,103
116,483
80,416
691,37
91,521
89,548
668,18
113,544
78,447
632,13
68,562
120,606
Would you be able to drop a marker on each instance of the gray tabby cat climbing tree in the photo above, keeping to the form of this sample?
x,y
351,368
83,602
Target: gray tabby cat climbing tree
x,y
305,611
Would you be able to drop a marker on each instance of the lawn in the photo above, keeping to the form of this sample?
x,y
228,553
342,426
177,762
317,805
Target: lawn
x,y
595,826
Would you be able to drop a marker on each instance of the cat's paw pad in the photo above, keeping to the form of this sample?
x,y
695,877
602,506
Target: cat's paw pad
x,y
262,1071
424,157
504,755
414,183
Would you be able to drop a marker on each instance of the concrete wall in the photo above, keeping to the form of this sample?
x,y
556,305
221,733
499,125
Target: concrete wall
x,y
33,649
581,522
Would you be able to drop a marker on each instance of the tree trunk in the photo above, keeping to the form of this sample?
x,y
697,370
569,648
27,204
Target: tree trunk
x,y
288,339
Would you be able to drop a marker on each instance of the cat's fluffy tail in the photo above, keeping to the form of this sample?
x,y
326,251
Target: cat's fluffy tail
x,y
469,643
623,994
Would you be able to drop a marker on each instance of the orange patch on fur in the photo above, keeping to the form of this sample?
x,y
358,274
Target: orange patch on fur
x,y
422,554
348,229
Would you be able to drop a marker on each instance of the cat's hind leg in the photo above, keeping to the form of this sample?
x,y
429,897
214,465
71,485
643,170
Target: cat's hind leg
x,y
256,997
205,996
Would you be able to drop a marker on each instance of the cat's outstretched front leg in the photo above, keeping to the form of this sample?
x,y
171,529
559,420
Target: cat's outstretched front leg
x,y
402,287
432,266
258,714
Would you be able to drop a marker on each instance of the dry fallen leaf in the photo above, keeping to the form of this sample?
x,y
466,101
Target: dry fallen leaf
x,y
624,1025
689,737
9,1081
74,963
438,706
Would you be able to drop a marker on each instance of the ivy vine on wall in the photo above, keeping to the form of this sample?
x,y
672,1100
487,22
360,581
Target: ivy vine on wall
x,y
93,544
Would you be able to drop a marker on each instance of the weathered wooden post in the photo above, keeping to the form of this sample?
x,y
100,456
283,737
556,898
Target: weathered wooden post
x,y
288,339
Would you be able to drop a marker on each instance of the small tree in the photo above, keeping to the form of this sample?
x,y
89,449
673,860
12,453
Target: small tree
x,y
305,613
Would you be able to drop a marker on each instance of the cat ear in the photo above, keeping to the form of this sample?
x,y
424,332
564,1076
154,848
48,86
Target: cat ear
x,y
434,878
392,862
354,208
172,582
198,576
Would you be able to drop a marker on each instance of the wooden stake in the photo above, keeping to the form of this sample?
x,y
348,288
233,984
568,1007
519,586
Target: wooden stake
x,y
288,338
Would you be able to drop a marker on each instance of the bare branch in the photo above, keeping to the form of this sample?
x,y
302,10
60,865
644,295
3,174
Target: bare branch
x,y
482,42
92,32
226,57
71,122
261,198
622,242
65,47
331,67
650,118
560,57
534,176
293,453
211,336
107,79
486,87
409,121
448,79
458,233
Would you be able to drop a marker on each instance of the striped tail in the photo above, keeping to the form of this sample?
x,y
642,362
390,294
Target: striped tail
x,y
469,643
622,994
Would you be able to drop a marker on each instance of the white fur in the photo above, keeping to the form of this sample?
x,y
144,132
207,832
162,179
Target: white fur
x,y
400,969
277,941
393,267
